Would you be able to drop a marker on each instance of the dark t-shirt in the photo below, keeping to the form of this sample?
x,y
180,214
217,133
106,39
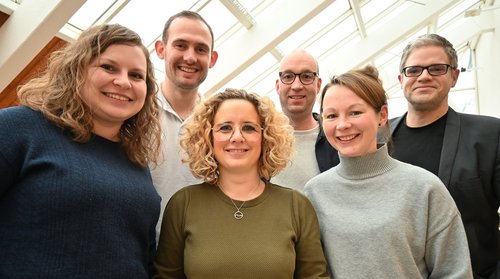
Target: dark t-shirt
x,y
420,146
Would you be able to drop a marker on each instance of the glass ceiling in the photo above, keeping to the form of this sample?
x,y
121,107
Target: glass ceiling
x,y
342,34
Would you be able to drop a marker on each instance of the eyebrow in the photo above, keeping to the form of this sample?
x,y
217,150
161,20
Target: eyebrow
x,y
353,106
232,122
111,61
300,72
180,40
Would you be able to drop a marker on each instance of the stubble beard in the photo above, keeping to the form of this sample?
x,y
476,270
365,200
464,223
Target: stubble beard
x,y
428,104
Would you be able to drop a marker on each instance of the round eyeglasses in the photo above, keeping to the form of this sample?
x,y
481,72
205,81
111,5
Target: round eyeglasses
x,y
289,77
225,131
433,70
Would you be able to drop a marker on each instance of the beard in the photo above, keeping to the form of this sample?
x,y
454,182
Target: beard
x,y
186,84
429,103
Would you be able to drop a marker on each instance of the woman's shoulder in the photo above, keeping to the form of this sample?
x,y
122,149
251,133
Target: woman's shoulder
x,y
19,113
23,122
293,194
428,183
192,190
321,180
411,172
283,190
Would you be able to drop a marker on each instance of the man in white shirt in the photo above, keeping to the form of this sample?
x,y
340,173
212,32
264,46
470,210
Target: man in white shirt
x,y
187,48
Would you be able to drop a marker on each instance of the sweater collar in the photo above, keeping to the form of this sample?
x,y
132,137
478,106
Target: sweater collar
x,y
366,166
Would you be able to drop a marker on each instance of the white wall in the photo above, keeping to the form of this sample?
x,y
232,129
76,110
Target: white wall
x,y
488,69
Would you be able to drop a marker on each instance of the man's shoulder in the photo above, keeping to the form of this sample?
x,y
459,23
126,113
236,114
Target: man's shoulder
x,y
474,120
396,118
477,117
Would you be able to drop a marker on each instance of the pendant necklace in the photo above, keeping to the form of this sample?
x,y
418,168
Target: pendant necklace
x,y
238,215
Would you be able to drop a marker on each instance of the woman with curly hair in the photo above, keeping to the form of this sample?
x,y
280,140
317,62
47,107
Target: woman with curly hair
x,y
76,197
237,224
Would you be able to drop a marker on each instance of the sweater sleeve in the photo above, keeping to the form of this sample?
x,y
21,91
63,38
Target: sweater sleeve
x,y
170,253
152,250
447,253
10,153
310,260
7,170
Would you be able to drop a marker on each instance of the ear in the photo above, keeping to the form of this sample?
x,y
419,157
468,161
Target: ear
x,y
383,115
213,58
277,86
400,78
160,49
318,85
455,75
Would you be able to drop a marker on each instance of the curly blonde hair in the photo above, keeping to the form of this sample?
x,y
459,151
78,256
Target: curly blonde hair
x,y
197,142
57,93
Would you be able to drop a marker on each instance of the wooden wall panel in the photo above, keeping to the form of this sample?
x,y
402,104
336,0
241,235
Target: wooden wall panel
x,y
8,96
3,18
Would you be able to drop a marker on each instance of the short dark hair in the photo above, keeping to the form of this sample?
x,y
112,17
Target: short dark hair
x,y
190,15
430,40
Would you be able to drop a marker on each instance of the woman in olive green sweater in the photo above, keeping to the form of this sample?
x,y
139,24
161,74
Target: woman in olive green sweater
x,y
236,224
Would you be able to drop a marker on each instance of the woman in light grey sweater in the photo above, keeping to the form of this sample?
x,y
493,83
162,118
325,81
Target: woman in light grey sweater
x,y
379,217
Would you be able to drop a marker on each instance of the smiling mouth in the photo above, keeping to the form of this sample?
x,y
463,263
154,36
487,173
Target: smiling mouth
x,y
424,87
117,97
188,70
296,97
346,138
236,150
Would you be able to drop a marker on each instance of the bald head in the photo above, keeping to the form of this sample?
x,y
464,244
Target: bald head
x,y
299,56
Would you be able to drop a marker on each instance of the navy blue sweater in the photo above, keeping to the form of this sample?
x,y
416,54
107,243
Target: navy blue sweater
x,y
68,209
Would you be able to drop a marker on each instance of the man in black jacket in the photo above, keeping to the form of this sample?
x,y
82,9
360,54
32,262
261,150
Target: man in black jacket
x,y
463,150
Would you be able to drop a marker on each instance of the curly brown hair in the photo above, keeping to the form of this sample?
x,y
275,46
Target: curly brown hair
x,y
197,142
57,92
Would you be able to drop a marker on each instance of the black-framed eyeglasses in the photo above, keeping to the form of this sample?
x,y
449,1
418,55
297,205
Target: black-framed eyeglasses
x,y
305,77
433,70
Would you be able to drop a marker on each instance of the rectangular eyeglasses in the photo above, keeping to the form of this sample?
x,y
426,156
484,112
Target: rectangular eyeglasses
x,y
305,77
433,70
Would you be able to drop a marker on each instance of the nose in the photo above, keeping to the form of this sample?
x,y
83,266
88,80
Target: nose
x,y
122,81
297,84
237,135
190,56
425,74
343,123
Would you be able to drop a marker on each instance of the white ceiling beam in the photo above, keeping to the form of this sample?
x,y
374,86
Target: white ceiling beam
x,y
264,36
470,28
239,12
8,6
356,12
409,21
27,30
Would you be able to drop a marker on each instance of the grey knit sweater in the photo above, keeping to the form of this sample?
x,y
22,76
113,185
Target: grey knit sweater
x,y
382,218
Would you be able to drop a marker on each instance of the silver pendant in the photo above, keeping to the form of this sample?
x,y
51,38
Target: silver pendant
x,y
238,215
